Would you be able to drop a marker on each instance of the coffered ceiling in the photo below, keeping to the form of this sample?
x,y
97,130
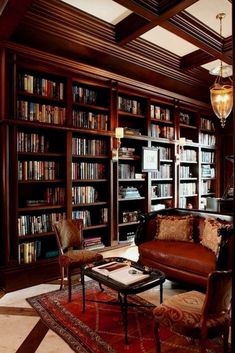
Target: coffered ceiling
x,y
168,43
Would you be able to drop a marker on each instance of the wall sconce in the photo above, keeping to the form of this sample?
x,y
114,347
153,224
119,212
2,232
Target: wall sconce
x,y
119,134
182,142
180,148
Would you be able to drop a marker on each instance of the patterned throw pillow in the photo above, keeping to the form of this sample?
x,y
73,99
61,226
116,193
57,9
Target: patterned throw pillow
x,y
210,238
177,228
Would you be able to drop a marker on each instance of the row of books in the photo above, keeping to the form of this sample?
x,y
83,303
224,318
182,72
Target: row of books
x,y
164,172
29,252
129,105
162,131
30,224
41,86
207,139
90,120
185,171
183,202
187,155
162,190
207,124
55,195
86,170
30,142
51,196
38,170
186,189
43,113
84,95
84,194
100,216
127,152
126,171
208,157
165,153
160,113
83,147
206,186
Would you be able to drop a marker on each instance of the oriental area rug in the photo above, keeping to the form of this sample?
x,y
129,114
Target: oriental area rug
x,y
100,329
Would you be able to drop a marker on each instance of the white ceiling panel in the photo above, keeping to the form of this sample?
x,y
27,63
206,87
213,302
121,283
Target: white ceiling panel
x,y
169,41
206,11
106,10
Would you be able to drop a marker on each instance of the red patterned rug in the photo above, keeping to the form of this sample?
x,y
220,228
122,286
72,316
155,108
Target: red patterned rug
x,y
100,329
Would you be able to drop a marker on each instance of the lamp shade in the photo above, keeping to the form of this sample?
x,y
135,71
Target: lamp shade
x,y
221,100
119,132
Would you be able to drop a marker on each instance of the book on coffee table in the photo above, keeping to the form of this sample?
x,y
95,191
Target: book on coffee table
x,y
121,272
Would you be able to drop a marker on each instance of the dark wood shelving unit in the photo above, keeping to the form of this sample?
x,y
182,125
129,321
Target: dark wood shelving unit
x,y
83,143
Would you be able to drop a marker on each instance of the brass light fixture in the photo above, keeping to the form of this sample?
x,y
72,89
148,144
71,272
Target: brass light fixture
x,y
221,93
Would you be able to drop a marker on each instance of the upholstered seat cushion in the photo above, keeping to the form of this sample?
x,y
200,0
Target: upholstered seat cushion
x,y
182,313
79,257
186,256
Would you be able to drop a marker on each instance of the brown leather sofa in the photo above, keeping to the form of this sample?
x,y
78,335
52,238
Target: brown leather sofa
x,y
184,261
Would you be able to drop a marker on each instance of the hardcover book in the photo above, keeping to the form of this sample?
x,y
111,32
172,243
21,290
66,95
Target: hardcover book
x,y
121,272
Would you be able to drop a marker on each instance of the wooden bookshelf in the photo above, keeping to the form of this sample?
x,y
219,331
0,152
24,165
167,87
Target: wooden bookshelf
x,y
57,139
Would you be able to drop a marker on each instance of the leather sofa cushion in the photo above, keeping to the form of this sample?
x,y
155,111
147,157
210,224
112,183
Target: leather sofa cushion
x,y
185,256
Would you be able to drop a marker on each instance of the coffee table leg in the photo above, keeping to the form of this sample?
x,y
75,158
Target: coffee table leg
x,y
126,318
83,291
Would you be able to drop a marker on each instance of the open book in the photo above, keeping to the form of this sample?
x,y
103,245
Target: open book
x,y
121,272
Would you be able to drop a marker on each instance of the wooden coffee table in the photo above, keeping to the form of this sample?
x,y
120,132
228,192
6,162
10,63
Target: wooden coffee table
x,y
154,278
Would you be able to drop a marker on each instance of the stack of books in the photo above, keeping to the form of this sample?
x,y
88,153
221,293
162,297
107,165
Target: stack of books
x,y
93,243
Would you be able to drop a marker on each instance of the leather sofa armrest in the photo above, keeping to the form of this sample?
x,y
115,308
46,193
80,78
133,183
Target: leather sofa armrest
x,y
225,256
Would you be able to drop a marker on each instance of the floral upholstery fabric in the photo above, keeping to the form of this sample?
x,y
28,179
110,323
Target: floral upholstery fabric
x,y
182,313
79,257
178,228
210,238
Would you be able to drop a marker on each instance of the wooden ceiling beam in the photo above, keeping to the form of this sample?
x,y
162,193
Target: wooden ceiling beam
x,y
182,24
200,57
145,19
186,27
11,13
195,59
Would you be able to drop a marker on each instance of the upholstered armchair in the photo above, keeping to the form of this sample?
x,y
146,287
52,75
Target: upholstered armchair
x,y
72,256
197,315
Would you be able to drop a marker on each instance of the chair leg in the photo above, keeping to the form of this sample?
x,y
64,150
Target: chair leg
x,y
202,342
225,337
69,285
101,288
61,277
157,338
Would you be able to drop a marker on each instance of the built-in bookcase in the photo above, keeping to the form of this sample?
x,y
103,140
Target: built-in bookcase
x,y
40,159
132,187
207,165
65,161
188,176
91,184
163,136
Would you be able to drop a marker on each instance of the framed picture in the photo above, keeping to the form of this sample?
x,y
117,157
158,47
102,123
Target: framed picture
x,y
150,159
